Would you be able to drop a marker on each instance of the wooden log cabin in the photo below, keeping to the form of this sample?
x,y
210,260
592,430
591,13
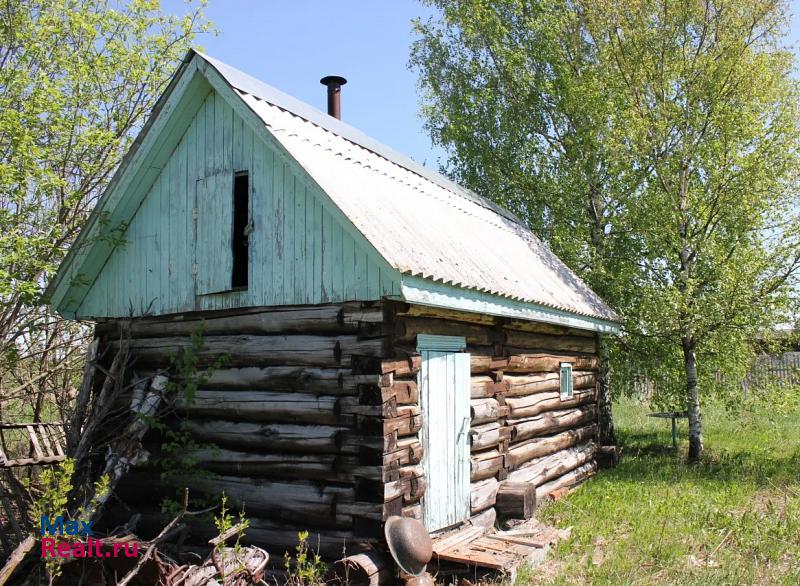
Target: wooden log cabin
x,y
394,343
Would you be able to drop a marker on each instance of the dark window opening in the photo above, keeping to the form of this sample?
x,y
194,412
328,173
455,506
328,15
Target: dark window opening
x,y
241,229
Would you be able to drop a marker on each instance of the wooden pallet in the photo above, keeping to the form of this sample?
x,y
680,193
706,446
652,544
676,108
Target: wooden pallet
x,y
495,550
44,444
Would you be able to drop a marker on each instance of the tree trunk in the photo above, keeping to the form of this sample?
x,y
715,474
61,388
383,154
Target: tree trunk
x,y
693,398
606,435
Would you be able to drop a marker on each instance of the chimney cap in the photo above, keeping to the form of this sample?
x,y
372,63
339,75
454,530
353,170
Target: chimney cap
x,y
333,80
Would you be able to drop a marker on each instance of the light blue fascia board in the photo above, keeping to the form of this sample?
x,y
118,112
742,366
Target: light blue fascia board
x,y
426,292
442,343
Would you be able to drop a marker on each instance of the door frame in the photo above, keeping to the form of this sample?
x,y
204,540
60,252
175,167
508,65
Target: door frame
x,y
457,511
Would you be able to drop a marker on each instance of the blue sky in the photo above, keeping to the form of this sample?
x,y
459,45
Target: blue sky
x,y
292,44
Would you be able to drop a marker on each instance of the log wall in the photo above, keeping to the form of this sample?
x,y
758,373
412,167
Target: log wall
x,y
525,441
316,414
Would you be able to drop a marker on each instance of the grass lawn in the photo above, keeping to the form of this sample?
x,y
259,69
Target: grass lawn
x,y
733,519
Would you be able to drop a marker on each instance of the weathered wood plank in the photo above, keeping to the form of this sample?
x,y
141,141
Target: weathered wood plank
x,y
532,405
520,453
552,422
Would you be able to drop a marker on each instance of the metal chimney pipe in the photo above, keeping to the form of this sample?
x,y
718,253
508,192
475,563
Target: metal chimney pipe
x,y
334,83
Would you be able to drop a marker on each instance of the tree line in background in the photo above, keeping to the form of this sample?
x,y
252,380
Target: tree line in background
x,y
653,144
77,80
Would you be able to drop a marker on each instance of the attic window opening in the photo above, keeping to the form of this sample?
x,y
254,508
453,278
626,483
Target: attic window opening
x,y
241,229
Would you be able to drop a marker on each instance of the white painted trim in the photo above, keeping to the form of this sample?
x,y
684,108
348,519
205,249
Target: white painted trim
x,y
427,292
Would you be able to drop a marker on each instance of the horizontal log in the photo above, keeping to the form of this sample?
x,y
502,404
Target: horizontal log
x,y
516,500
483,494
250,350
519,340
532,405
542,328
407,329
327,467
317,381
482,387
568,480
552,422
266,406
543,469
518,386
404,309
408,451
485,464
328,319
520,453
486,410
413,511
544,362
402,392
488,435
482,364
407,422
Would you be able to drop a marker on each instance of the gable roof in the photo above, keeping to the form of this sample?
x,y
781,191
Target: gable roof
x,y
428,228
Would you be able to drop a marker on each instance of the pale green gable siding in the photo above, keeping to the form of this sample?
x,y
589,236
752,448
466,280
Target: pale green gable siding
x,y
302,250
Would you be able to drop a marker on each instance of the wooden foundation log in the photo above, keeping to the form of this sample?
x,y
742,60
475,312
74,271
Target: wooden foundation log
x,y
486,410
328,319
518,342
483,494
543,362
552,422
541,470
408,451
407,422
532,405
250,350
518,386
368,568
568,480
485,518
402,392
485,464
519,454
516,500
404,309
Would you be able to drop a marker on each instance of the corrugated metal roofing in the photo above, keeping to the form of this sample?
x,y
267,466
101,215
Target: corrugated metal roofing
x,y
422,223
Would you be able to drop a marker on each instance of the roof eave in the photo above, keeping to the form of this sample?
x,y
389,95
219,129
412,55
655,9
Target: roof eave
x,y
427,292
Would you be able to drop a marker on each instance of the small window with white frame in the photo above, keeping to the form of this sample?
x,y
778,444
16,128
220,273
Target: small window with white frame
x,y
566,381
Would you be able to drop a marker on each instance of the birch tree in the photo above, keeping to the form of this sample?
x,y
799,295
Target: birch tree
x,y
653,144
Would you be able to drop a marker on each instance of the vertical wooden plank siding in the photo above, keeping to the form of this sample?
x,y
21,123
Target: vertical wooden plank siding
x,y
214,233
299,251
444,399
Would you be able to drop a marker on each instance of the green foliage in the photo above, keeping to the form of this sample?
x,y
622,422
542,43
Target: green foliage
x,y
51,500
731,519
653,144
307,567
177,463
224,522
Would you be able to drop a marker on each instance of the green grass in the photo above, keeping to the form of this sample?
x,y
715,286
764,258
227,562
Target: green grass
x,y
732,519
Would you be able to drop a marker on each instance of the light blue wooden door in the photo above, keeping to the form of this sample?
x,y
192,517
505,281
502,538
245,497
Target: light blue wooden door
x,y
214,216
444,398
